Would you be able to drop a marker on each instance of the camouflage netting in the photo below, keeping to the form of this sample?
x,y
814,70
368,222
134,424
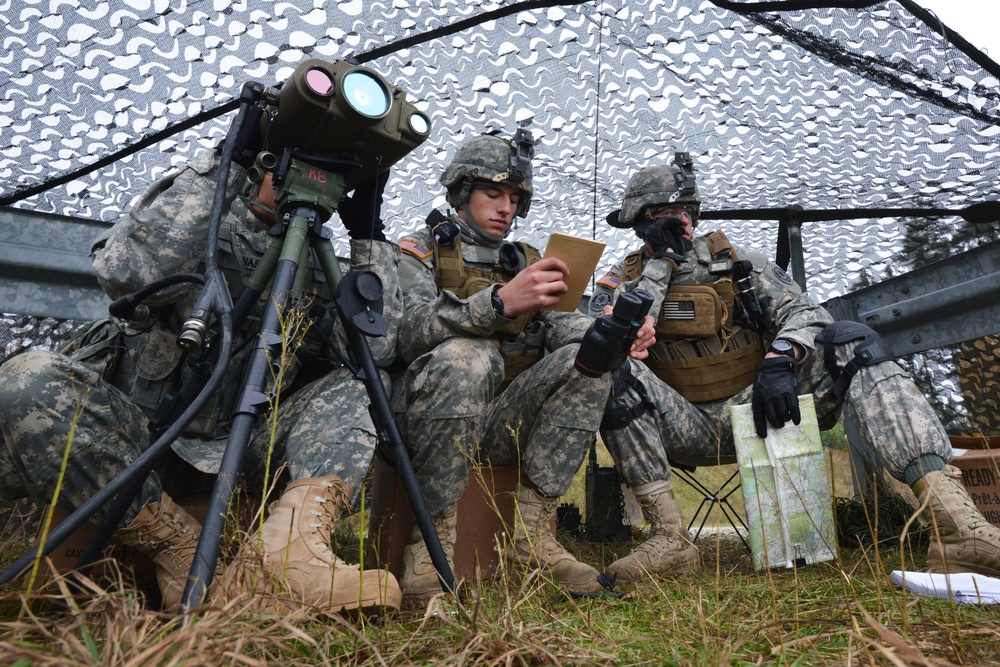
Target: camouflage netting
x,y
827,108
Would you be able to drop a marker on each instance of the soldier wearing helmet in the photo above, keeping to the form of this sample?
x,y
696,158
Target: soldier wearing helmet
x,y
733,328
478,386
485,162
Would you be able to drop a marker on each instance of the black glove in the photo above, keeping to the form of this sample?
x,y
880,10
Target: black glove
x,y
361,213
775,395
664,233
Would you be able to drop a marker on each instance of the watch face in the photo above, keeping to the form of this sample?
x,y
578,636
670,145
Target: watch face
x,y
782,347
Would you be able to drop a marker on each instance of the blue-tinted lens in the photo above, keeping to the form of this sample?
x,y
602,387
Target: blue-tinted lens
x,y
366,94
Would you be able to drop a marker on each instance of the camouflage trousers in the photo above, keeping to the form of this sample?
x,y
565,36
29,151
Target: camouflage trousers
x,y
322,429
895,421
545,421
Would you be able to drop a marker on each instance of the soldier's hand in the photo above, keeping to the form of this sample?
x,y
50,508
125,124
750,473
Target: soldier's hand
x,y
665,237
775,395
535,288
361,213
644,338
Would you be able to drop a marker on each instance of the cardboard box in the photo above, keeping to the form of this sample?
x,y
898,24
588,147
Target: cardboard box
x,y
485,513
978,457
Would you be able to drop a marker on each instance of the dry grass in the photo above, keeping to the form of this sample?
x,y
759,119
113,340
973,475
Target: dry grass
x,y
843,612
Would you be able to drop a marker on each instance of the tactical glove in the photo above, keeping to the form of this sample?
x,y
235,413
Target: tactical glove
x,y
361,213
775,395
665,237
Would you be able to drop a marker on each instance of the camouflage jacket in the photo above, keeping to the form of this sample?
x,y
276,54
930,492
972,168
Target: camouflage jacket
x,y
789,313
165,234
433,316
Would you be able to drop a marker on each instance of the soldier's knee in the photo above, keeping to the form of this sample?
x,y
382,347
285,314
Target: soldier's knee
x,y
869,350
463,361
19,374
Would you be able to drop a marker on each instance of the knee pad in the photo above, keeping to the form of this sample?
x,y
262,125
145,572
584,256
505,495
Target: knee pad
x,y
870,351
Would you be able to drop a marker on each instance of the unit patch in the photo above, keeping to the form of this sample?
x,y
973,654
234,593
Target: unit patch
x,y
780,274
599,300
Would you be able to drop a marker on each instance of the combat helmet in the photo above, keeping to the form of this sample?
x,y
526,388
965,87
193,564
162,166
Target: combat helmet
x,y
658,186
491,159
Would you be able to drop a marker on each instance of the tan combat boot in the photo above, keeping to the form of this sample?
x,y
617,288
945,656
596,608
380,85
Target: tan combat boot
x,y
535,546
669,549
962,540
169,536
420,581
297,551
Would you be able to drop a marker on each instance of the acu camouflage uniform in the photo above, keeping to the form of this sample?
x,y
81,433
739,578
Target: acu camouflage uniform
x,y
458,406
896,423
110,381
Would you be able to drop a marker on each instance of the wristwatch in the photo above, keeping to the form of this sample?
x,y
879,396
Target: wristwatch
x,y
781,346
496,301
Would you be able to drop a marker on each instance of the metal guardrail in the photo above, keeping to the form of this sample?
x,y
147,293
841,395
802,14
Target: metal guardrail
x,y
947,302
45,266
45,271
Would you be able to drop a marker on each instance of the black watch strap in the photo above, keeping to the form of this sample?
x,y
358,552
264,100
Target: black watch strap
x,y
496,301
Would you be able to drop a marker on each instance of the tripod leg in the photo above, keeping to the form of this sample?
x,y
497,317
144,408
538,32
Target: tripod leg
x,y
253,396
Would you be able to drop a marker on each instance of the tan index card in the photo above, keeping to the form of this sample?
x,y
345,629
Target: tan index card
x,y
581,256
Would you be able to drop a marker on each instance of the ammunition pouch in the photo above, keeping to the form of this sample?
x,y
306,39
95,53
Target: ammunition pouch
x,y
522,352
709,369
871,351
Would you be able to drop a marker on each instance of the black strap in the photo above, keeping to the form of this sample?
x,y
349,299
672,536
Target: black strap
x,y
622,417
870,351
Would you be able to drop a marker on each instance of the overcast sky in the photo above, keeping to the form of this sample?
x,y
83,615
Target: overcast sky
x,y
978,21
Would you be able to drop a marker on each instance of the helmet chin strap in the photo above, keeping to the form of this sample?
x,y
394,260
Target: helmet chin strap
x,y
491,240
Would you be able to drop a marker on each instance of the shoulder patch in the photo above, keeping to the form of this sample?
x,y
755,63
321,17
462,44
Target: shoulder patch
x,y
414,248
610,281
599,300
780,274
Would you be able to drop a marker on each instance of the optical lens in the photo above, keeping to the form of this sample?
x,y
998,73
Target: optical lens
x,y
366,94
419,124
319,81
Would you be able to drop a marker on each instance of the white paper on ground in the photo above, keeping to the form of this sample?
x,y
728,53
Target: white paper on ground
x,y
964,586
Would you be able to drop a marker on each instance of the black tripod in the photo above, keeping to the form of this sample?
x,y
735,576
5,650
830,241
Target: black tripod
x,y
308,190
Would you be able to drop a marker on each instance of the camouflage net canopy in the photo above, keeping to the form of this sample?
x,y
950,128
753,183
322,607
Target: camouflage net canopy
x,y
827,108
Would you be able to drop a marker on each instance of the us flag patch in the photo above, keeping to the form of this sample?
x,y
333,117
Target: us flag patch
x,y
678,310
610,281
414,249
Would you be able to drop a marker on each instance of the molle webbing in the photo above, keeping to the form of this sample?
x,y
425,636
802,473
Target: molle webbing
x,y
711,377
449,267
704,367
